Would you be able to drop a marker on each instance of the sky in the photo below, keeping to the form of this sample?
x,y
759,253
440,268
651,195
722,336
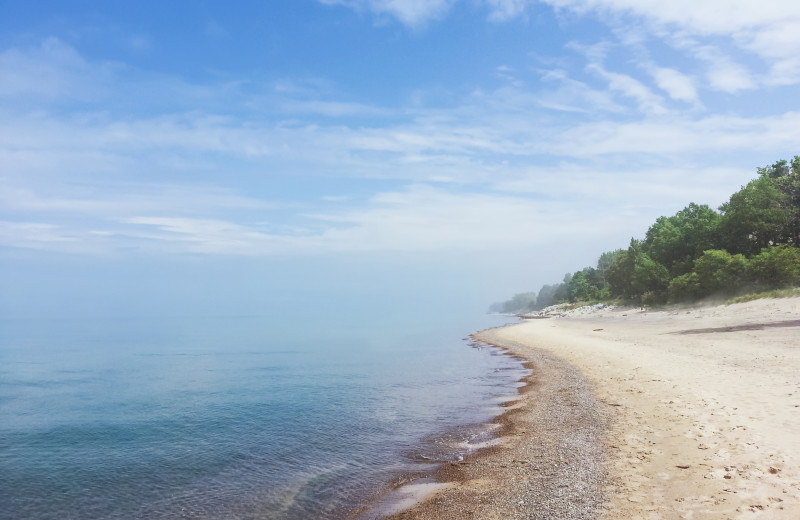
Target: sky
x,y
230,157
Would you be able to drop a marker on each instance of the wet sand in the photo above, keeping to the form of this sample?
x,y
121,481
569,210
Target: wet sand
x,y
674,414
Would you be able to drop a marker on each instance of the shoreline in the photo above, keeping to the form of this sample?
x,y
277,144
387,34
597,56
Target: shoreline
x,y
685,413
555,404
404,489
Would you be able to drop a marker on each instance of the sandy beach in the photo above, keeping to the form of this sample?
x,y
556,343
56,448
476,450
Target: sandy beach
x,y
630,413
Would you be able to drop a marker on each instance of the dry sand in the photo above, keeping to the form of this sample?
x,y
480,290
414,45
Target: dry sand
x,y
690,413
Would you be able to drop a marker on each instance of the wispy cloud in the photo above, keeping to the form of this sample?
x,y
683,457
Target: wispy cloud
x,y
472,173
461,143
34,235
185,199
679,136
710,17
723,72
768,29
413,13
628,86
676,84
503,10
415,218
49,71
196,235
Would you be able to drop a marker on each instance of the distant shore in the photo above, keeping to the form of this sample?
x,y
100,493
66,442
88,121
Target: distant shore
x,y
683,413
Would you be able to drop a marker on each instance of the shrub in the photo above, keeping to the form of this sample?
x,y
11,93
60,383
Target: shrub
x,y
684,288
776,267
719,272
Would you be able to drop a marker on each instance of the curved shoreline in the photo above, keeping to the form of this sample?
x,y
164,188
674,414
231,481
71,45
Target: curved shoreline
x,y
560,475
685,413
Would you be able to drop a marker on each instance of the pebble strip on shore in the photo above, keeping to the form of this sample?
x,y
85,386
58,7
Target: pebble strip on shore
x,y
551,462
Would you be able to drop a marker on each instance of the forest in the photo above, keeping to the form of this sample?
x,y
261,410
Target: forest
x,y
750,244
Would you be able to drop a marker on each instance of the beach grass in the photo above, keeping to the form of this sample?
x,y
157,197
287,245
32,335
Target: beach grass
x,y
776,293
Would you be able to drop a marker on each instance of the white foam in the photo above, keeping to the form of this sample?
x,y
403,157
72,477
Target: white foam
x,y
404,497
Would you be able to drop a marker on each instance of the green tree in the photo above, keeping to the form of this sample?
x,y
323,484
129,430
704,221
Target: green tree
x,y
786,178
780,169
761,213
563,292
620,272
547,295
586,285
677,240
634,273
776,267
603,263
719,272
650,277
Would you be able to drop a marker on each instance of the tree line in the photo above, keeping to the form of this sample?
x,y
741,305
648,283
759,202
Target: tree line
x,y
751,243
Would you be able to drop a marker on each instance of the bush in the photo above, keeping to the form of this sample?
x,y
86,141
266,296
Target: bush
x,y
719,272
684,288
776,267
650,298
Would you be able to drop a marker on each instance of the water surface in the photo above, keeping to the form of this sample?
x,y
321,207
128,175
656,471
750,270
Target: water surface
x,y
279,417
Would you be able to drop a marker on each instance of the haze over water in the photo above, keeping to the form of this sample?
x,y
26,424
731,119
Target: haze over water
x,y
281,417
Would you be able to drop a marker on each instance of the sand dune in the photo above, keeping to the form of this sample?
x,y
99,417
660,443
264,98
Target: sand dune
x,y
687,414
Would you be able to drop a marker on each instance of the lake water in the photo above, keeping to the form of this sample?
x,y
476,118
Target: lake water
x,y
270,417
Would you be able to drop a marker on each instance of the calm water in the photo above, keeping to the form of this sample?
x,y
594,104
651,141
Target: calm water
x,y
236,417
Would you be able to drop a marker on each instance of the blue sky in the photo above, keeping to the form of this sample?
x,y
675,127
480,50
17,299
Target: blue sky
x,y
476,147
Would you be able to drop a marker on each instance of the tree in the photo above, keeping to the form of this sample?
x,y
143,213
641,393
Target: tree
x,y
563,292
754,217
786,178
521,302
780,169
604,262
649,277
719,272
677,240
634,273
547,295
586,285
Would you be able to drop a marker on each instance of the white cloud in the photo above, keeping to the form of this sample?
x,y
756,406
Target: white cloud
x,y
723,73
466,143
638,190
52,70
198,235
502,10
524,209
426,218
648,101
413,13
538,206
332,108
769,29
36,235
416,218
707,17
574,96
785,72
186,199
670,137
730,77
147,171
677,85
